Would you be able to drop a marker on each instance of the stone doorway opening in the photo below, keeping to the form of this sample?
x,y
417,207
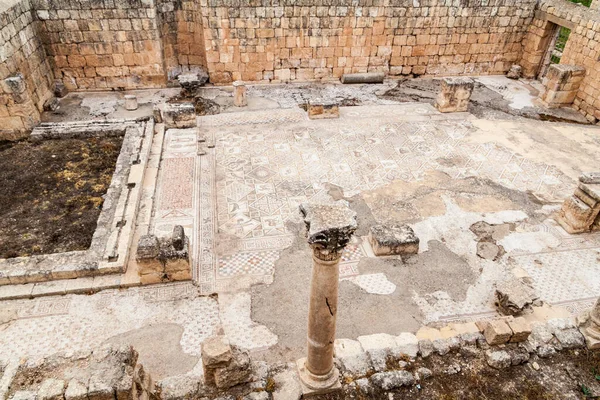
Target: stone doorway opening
x,y
559,37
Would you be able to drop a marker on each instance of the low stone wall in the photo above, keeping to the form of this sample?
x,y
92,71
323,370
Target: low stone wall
x,y
22,57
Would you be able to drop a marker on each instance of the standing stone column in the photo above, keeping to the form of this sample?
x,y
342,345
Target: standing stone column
x,y
239,94
330,228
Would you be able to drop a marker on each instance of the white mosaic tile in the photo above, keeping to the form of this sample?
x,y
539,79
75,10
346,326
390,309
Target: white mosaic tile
x,y
374,283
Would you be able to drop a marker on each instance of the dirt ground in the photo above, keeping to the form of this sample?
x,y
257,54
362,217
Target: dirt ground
x,y
52,192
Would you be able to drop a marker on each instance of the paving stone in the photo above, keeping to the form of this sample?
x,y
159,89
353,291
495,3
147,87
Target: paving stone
x,y
51,389
378,347
408,344
287,386
216,351
76,390
514,296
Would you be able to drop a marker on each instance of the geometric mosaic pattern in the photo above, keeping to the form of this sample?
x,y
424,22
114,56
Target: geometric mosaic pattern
x,y
265,164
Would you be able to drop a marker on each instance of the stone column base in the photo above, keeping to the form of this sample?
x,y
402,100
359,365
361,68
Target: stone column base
x,y
315,384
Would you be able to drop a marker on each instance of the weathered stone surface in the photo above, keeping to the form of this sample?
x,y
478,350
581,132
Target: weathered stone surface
x,y
330,227
235,372
497,332
424,373
407,344
454,95
179,387
59,89
148,247
425,347
51,389
514,296
131,102
591,328
216,351
521,329
488,250
570,338
378,347
322,109
575,215
515,72
561,83
392,380
354,361
393,240
518,356
498,359
287,386
590,178
179,115
76,390
178,237
190,82
24,395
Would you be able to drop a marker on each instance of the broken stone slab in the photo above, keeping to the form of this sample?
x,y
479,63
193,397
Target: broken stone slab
x,y
354,361
570,338
51,389
235,372
76,390
515,72
392,380
179,387
521,329
190,82
514,296
407,344
454,95
365,77
498,359
590,178
488,251
496,331
322,109
393,240
216,351
378,347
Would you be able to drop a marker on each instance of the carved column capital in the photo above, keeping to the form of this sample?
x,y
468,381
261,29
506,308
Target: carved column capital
x,y
329,227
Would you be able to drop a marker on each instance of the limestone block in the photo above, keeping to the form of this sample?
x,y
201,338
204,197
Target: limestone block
x,y
51,389
378,347
562,82
407,343
321,109
236,372
350,354
498,359
521,329
590,178
179,115
514,296
515,72
216,351
131,103
497,332
76,390
147,254
575,216
100,389
393,240
454,95
392,380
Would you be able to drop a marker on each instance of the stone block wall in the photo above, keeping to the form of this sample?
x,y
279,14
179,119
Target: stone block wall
x,y
582,48
180,23
561,84
108,44
315,39
23,61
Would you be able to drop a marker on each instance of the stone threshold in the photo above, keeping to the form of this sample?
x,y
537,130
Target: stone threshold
x,y
109,250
